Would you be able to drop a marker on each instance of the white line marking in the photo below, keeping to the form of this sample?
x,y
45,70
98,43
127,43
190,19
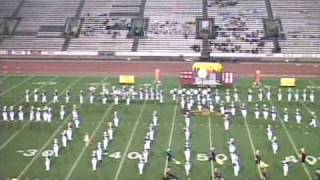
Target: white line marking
x,y
250,139
51,137
129,142
85,147
293,144
25,124
17,85
210,137
171,133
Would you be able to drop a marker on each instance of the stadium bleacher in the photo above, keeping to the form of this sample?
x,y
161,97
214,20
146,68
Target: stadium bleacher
x,y
171,25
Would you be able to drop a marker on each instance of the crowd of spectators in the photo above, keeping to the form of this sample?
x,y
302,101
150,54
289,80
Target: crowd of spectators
x,y
103,25
172,28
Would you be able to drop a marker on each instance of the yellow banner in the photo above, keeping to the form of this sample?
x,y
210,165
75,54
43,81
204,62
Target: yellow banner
x,y
212,67
126,79
288,82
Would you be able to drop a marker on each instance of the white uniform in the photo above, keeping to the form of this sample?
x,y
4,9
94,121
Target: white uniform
x,y
296,95
147,144
257,113
38,116
141,166
116,100
105,142
64,141
128,101
226,125
236,168
55,98
269,133
94,163
27,96
187,154
304,95
265,113
273,115
155,119
47,163
260,95
187,121
91,98
81,98
275,146
298,118
285,117
44,98
86,139
145,155
279,96
69,134
187,134
99,154
35,95
312,97
4,114
31,115
187,168
110,133
49,116
75,114
313,122
244,112
285,168
55,149
11,114
250,97
269,95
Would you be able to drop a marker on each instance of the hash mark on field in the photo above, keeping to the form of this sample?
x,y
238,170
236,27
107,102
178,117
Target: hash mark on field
x,y
85,147
130,141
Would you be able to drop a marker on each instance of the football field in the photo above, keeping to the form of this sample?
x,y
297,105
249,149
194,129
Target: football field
x,y
23,144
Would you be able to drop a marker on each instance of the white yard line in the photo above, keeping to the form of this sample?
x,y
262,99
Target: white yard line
x,y
171,133
17,85
210,142
129,142
85,147
51,137
293,144
250,139
24,125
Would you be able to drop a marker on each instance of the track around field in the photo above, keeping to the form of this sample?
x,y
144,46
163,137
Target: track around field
x,y
139,68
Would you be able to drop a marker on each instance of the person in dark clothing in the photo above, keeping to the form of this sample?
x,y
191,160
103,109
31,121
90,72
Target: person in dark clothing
x,y
212,155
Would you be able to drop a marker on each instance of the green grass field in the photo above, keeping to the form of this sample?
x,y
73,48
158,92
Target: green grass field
x,y
22,143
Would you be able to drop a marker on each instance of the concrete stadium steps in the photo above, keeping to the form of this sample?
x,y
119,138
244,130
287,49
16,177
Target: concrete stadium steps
x,y
301,23
34,24
8,7
168,45
100,44
253,10
31,43
173,8
179,11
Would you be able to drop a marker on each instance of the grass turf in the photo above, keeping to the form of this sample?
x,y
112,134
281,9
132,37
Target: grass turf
x,y
134,121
